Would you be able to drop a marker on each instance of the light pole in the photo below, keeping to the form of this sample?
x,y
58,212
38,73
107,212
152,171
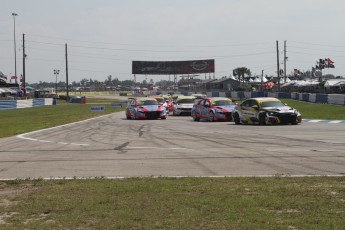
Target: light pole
x,y
56,72
15,49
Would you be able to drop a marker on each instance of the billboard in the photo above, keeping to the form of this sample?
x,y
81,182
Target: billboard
x,y
173,67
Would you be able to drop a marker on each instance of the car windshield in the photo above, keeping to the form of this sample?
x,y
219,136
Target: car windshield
x,y
222,103
148,102
185,101
160,99
272,104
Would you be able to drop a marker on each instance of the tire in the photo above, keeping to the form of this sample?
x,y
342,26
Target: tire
x,y
128,117
163,118
262,119
211,117
230,118
194,117
236,119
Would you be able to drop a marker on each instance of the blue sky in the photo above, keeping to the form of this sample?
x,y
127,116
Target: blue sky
x,y
104,36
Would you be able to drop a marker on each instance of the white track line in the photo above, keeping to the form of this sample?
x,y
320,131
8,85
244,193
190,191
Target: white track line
x,y
314,121
335,122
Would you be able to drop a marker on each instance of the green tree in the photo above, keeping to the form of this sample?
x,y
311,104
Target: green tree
x,y
83,82
115,81
108,81
241,72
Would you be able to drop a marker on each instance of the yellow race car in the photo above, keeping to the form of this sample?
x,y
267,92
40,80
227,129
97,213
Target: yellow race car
x,y
265,111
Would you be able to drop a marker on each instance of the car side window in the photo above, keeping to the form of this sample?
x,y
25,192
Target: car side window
x,y
206,103
250,103
255,103
246,103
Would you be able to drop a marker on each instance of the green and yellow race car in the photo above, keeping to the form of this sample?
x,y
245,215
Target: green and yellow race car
x,y
265,111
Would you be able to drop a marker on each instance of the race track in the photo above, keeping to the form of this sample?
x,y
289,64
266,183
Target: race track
x,y
111,146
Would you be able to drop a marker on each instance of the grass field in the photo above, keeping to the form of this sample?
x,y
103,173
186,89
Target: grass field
x,y
16,121
168,203
318,111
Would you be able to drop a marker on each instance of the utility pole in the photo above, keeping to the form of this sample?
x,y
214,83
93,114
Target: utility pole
x,y
56,72
262,80
262,76
285,58
15,48
278,72
67,95
24,56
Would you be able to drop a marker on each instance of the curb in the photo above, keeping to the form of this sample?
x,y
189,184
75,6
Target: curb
x,y
324,121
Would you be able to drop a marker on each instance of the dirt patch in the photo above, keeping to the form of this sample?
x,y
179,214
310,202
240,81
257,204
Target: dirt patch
x,y
16,189
6,215
7,203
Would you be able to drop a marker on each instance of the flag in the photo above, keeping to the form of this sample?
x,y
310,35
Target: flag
x,y
330,61
320,64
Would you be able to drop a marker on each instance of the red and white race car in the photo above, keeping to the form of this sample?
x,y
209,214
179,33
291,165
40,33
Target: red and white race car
x,y
145,108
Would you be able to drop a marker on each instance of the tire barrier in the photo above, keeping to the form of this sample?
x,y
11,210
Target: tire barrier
x,y
338,99
38,102
305,96
18,104
241,95
215,94
10,104
321,98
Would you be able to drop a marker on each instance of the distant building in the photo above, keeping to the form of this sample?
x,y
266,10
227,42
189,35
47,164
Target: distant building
x,y
188,83
224,84
205,85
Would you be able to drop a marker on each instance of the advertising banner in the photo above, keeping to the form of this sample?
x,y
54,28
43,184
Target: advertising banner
x,y
173,67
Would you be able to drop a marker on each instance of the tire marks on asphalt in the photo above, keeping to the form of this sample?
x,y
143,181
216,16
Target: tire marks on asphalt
x,y
120,148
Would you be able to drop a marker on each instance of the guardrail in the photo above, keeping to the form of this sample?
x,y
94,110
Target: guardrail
x,y
16,104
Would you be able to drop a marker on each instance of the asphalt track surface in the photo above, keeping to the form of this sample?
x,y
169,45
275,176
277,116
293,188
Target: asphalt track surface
x,y
113,147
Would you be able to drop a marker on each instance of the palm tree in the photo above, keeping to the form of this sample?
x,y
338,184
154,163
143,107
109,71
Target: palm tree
x,y
241,72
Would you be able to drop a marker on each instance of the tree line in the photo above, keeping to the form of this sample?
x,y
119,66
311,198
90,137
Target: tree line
x,y
109,83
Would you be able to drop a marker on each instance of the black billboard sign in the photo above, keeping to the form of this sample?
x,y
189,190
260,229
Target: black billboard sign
x,y
173,67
